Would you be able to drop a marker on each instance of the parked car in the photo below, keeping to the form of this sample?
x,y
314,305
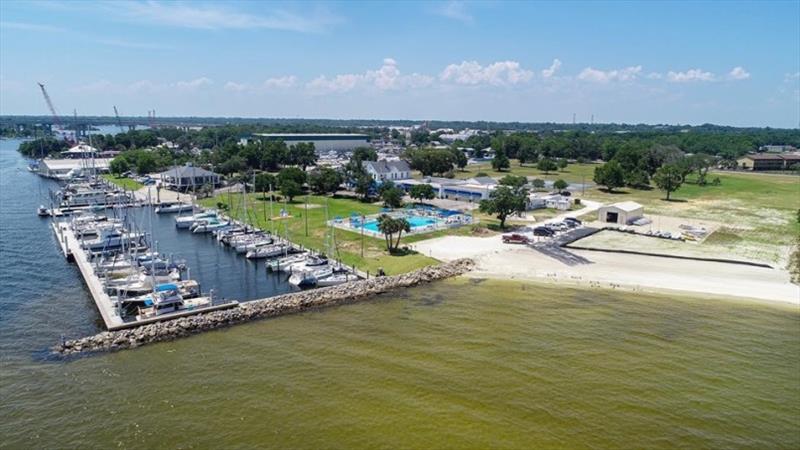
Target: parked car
x,y
573,220
566,193
543,231
514,238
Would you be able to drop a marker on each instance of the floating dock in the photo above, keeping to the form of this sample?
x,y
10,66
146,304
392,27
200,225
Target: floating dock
x,y
72,250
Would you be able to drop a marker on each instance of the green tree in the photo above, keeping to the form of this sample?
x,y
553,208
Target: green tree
x,y
459,158
562,164
391,195
431,161
365,154
500,161
290,182
390,226
514,181
422,192
232,165
504,201
119,165
538,183
145,163
546,165
363,186
265,182
303,154
668,178
325,180
560,184
290,189
609,175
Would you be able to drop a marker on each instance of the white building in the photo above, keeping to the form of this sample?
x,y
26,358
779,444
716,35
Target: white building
x,y
621,213
323,142
471,190
64,168
387,170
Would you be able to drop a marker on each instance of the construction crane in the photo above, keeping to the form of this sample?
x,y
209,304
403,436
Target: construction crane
x,y
119,121
56,119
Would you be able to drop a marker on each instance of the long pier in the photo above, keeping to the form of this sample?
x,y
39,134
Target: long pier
x,y
72,250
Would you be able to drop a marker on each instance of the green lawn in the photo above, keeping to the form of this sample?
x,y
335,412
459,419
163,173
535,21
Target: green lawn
x,y
574,173
757,211
349,243
124,182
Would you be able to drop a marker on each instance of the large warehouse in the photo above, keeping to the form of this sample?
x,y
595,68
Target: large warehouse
x,y
323,142
622,213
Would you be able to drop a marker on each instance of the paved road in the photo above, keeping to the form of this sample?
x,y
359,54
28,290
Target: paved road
x,y
553,247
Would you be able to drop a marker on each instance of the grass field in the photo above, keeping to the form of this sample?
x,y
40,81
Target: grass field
x,y
574,173
348,243
124,182
758,212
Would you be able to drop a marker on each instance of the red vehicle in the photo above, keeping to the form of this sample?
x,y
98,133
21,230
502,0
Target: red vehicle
x,y
514,239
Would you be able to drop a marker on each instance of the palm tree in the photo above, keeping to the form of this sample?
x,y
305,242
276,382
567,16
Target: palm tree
x,y
389,226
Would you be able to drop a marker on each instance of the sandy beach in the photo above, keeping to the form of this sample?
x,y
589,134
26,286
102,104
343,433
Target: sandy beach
x,y
616,271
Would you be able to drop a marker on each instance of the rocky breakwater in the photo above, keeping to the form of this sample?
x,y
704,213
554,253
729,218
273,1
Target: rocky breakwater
x,y
259,309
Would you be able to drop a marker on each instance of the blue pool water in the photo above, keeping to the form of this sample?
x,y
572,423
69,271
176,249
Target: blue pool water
x,y
414,221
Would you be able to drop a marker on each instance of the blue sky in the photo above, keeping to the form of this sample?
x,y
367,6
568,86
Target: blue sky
x,y
731,63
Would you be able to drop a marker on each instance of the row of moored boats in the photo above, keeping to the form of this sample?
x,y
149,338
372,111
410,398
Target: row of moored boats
x,y
305,268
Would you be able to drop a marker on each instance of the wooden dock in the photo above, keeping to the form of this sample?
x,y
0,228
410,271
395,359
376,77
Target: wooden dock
x,y
71,248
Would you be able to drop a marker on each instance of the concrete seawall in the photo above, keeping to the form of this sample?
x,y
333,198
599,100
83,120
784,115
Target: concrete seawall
x,y
259,309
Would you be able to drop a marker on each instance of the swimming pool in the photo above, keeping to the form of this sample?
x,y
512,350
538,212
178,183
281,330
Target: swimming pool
x,y
414,221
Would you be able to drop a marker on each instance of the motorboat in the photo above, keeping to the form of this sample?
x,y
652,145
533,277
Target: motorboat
x,y
310,276
336,278
166,208
209,225
310,262
167,298
266,251
141,282
188,221
111,238
253,244
285,263
42,211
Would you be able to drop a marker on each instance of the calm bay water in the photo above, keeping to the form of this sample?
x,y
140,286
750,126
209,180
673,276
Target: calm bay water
x,y
457,364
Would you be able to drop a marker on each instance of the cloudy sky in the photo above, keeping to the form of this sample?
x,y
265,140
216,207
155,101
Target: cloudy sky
x,y
640,62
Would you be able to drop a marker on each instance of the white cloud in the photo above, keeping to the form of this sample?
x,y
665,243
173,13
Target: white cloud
x,y
550,71
455,10
235,87
23,26
689,76
387,77
130,44
606,76
655,76
738,73
143,86
280,82
96,86
192,85
791,76
188,15
496,74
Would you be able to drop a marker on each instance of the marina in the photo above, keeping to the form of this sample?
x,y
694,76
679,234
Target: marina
x,y
135,279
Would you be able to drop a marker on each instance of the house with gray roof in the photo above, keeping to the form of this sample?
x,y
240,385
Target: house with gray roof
x,y
187,177
387,170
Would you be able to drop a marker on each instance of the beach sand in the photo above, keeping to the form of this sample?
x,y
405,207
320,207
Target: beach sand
x,y
616,271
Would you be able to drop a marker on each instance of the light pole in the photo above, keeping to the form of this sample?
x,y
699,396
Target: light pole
x,y
306,215
362,235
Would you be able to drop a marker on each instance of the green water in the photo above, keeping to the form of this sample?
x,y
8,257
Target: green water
x,y
452,365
